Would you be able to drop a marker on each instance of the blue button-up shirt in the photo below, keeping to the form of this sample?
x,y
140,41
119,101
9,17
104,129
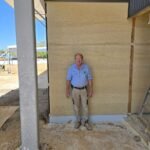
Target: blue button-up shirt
x,y
79,77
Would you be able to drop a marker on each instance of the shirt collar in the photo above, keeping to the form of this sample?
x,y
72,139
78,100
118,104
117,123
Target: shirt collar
x,y
80,67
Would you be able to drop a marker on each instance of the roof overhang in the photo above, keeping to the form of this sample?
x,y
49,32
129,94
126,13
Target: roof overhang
x,y
87,0
141,12
138,7
39,7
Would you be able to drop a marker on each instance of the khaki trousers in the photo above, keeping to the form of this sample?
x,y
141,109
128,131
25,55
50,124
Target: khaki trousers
x,y
80,104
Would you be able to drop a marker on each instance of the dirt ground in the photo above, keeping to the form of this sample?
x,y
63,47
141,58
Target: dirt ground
x,y
104,136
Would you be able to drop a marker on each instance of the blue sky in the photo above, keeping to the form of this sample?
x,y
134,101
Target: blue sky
x,y
7,27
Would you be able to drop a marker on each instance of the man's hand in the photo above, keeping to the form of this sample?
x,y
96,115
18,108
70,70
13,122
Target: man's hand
x,y
67,93
90,88
67,88
90,93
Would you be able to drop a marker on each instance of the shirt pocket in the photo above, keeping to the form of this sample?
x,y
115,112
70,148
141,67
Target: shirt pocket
x,y
84,74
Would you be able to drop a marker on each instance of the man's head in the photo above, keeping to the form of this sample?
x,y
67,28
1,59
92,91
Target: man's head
x,y
78,59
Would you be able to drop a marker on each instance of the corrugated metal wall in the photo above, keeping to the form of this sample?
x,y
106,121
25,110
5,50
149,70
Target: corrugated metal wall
x,y
137,5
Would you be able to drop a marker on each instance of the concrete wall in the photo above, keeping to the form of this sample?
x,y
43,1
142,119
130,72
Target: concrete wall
x,y
102,33
141,70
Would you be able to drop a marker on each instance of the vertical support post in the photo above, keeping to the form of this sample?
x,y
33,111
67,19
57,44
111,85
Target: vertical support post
x,y
47,57
131,65
26,50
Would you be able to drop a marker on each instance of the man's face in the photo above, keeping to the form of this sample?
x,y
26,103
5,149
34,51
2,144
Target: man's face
x,y
78,60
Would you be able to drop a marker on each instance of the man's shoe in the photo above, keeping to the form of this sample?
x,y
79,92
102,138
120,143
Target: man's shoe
x,y
77,125
88,126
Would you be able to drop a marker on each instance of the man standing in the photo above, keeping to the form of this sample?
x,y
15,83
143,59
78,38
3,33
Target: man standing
x,y
79,78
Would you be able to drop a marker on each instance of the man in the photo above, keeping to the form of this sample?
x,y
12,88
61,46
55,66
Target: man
x,y
79,78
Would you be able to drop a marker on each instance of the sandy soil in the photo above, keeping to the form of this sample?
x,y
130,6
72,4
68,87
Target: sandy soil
x,y
104,136
9,81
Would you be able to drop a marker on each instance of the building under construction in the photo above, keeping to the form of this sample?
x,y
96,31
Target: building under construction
x,y
113,36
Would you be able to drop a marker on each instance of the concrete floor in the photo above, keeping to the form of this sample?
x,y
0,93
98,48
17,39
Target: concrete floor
x,y
104,136
141,125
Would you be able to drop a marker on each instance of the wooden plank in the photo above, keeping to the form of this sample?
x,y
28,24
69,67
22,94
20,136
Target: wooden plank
x,y
6,112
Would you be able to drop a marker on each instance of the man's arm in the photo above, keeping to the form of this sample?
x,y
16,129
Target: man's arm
x,y
67,88
90,88
90,82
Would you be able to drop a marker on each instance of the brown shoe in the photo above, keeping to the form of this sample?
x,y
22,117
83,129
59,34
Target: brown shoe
x,y
88,126
77,125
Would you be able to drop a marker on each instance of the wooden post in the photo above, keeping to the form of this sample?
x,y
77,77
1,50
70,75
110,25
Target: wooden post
x,y
131,65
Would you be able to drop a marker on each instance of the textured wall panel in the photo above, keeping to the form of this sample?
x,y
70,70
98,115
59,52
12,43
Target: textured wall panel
x,y
102,33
